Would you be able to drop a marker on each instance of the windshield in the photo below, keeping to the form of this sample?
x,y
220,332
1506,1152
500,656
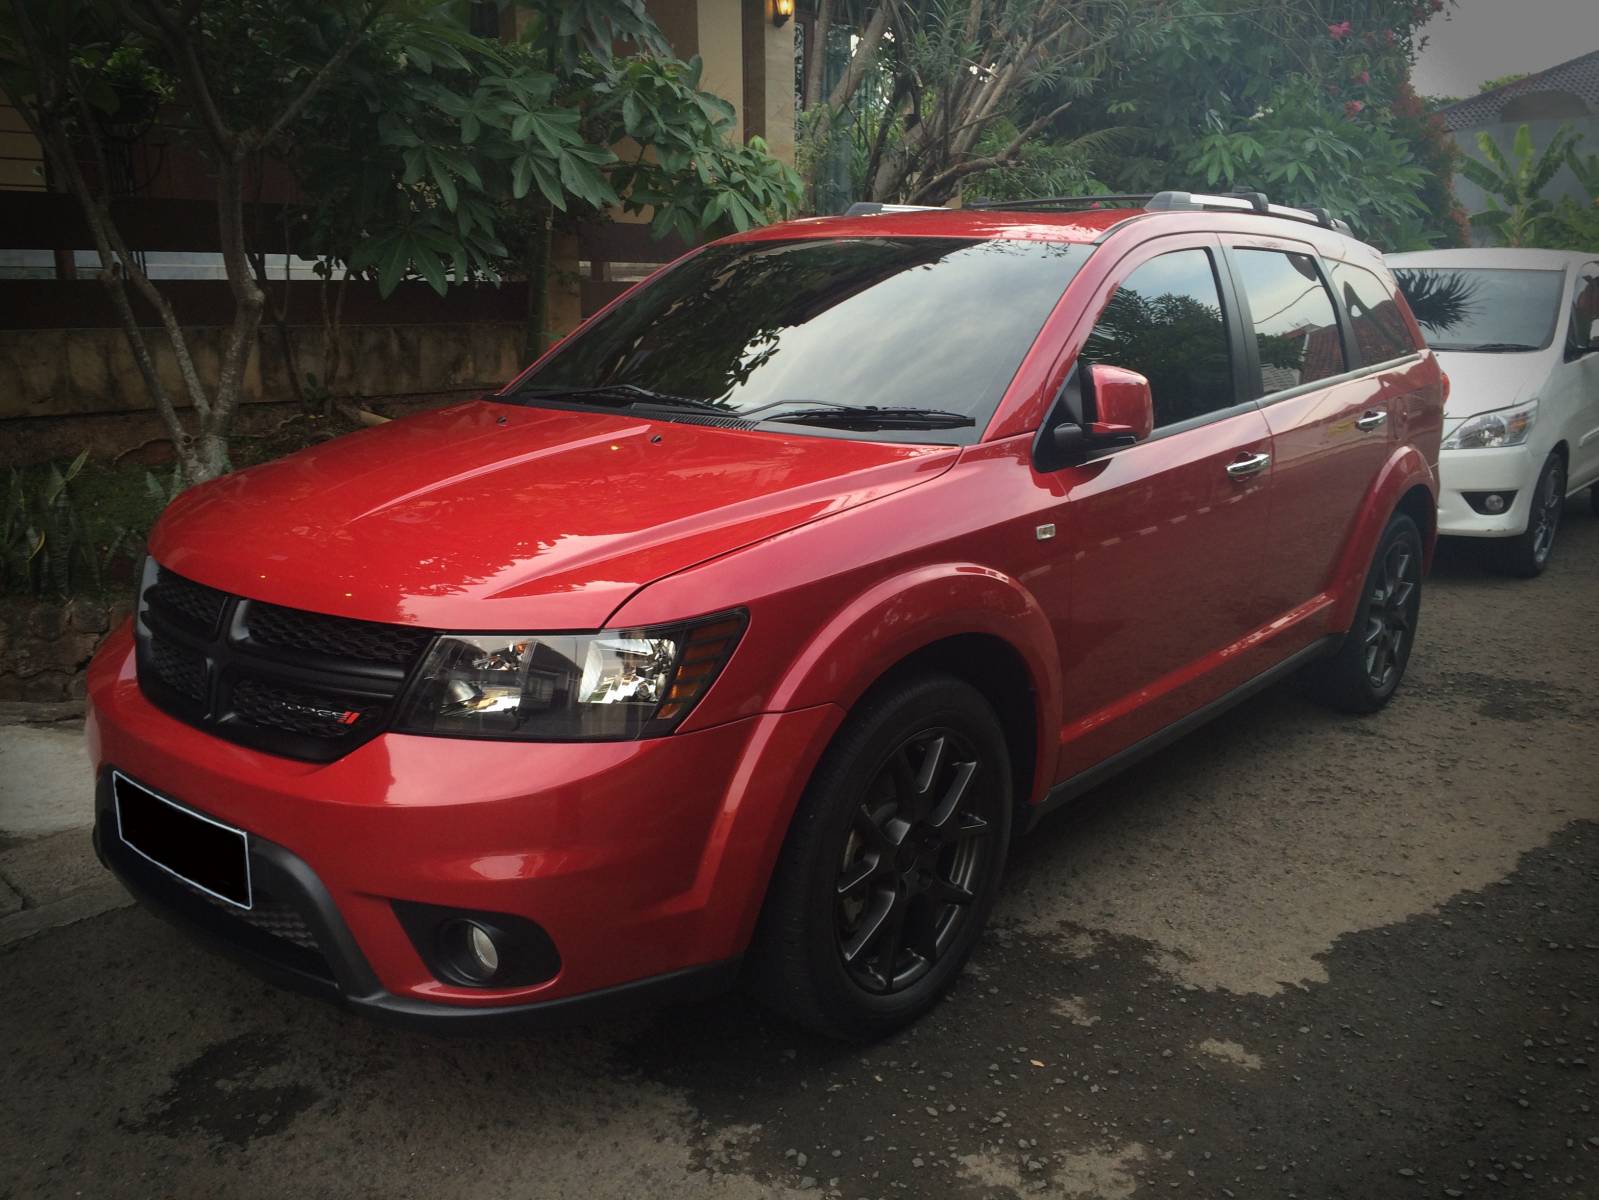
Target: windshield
x,y
1485,310
911,334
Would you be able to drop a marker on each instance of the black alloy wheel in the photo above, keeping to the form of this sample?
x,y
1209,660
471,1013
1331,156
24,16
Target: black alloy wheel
x,y
1528,553
911,860
1391,614
892,861
1361,675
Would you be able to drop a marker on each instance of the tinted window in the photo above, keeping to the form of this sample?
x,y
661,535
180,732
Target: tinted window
x,y
1380,331
1165,322
1488,310
1584,310
893,322
1296,326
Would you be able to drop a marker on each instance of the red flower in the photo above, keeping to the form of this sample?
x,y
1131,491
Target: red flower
x,y
1363,78
1353,109
1338,31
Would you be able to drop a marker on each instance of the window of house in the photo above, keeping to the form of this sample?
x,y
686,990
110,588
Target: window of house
x,y
1166,323
1380,329
1296,325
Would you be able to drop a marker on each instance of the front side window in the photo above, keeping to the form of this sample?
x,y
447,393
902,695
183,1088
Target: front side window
x,y
1380,330
1296,326
1483,310
1166,323
791,331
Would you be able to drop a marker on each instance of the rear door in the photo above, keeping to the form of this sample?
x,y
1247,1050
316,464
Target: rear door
x,y
1324,393
1166,537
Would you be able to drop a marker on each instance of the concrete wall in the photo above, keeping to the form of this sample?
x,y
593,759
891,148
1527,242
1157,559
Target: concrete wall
x,y
72,372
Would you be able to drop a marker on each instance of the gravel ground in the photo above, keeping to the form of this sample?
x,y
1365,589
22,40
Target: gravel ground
x,y
1296,955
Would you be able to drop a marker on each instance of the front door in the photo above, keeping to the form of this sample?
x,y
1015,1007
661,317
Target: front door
x,y
1166,537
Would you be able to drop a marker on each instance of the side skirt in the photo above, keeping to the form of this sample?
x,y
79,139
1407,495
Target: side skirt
x,y
1067,790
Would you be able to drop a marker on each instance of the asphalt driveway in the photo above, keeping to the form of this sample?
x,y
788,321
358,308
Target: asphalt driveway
x,y
1296,955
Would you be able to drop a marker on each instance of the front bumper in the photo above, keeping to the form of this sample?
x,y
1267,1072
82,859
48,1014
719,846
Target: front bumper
x,y
1510,469
646,861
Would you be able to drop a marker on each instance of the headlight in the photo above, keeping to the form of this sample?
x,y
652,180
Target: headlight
x,y
1506,427
561,687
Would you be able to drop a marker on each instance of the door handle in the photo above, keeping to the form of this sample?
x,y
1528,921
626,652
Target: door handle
x,y
1371,419
1249,464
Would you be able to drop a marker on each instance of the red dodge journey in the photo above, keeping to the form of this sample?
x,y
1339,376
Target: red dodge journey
x,y
740,635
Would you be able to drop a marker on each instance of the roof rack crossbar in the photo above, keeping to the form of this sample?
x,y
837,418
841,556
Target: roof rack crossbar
x,y
1242,201
871,208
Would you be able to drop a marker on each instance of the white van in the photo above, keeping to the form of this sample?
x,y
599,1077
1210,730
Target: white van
x,y
1517,334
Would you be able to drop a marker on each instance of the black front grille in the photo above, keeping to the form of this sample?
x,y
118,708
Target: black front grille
x,y
300,684
270,916
338,637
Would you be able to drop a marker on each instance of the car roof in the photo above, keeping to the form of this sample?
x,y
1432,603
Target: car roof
x,y
1083,226
1490,256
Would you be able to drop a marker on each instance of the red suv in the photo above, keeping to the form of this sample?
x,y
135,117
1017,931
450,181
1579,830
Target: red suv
x,y
744,629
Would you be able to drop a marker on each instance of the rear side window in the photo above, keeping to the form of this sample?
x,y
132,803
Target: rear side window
x,y
1166,323
1380,330
1296,325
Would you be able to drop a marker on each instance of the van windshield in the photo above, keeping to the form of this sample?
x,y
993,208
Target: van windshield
x,y
1483,310
883,336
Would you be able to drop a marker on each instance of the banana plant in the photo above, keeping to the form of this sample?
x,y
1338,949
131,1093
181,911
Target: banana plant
x,y
1518,212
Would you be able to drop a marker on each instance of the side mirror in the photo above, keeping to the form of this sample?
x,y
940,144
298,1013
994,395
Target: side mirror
x,y
1123,408
1123,405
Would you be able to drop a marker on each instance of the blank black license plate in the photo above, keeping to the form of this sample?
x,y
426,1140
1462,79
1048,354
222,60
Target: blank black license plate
x,y
200,851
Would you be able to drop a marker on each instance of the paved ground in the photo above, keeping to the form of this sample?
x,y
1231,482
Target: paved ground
x,y
1297,955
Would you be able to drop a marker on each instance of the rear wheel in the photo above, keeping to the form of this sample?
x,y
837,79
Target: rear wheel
x,y
1366,670
1528,553
892,862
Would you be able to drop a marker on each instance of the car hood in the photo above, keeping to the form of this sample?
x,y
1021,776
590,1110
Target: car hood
x,y
1482,382
496,516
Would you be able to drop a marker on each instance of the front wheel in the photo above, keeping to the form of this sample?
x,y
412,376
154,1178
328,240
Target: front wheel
x,y
892,862
1527,554
1366,670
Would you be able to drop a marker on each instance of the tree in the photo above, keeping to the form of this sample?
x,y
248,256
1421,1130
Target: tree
x,y
1518,212
242,74
420,149
935,91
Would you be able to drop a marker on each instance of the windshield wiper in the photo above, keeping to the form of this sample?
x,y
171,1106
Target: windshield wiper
x,y
630,393
871,416
1488,348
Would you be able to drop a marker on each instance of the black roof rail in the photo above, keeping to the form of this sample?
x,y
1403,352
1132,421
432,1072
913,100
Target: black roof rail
x,y
1120,200
870,208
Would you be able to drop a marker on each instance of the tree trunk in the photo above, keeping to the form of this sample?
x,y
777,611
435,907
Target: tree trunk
x,y
536,262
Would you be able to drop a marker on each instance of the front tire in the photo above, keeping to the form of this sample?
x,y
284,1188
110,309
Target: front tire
x,y
1527,554
1365,672
891,864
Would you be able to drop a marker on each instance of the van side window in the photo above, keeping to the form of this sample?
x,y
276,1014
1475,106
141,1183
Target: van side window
x,y
1296,326
1584,311
1165,322
1380,329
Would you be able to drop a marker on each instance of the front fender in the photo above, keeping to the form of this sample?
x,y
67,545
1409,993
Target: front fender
x,y
1405,470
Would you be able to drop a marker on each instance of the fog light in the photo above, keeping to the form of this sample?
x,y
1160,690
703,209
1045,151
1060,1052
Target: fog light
x,y
1494,502
472,950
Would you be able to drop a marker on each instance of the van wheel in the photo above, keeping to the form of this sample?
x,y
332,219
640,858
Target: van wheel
x,y
1527,554
1367,668
1593,499
892,863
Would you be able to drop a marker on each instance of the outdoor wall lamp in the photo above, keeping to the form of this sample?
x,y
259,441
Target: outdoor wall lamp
x,y
782,10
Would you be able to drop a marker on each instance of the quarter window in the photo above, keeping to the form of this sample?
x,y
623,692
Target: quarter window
x,y
1380,329
1296,326
1166,323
